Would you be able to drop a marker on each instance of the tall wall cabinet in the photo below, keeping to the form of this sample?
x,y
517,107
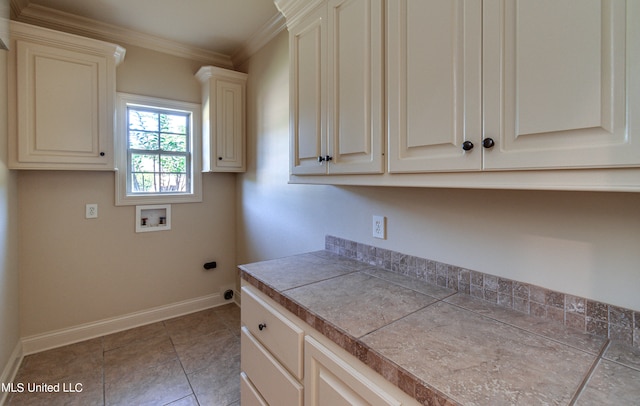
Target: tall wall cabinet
x,y
526,94
223,119
62,98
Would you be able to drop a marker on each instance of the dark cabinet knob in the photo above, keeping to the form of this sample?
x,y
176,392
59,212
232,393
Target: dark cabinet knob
x,y
467,145
262,326
328,158
219,158
488,143
102,154
320,158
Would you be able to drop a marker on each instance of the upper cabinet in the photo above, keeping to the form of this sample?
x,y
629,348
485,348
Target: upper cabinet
x,y
223,119
492,94
561,83
337,81
62,100
308,123
510,85
434,85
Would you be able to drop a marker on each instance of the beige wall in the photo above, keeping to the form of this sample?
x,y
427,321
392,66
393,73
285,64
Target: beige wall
x,y
75,271
9,310
586,244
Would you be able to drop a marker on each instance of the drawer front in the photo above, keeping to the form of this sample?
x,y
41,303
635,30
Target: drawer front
x,y
278,334
249,395
274,383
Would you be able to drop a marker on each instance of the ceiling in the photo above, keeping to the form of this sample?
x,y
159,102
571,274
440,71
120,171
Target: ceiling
x,y
208,28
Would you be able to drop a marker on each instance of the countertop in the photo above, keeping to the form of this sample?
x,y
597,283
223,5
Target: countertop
x,y
444,347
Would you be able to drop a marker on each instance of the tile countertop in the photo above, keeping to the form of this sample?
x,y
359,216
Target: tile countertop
x,y
442,347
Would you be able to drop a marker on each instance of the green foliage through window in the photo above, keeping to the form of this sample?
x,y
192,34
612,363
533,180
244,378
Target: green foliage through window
x,y
158,150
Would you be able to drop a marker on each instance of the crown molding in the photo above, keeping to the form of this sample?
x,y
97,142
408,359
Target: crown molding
x,y
46,36
23,11
260,38
294,9
73,24
16,7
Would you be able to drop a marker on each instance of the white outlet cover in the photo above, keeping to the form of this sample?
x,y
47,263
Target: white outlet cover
x,y
379,227
91,211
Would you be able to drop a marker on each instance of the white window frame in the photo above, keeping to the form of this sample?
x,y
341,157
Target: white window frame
x,y
125,100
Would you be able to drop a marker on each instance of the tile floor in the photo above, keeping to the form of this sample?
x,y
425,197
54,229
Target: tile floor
x,y
186,361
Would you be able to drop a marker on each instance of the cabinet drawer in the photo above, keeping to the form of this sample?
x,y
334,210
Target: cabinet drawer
x,y
249,395
273,382
278,334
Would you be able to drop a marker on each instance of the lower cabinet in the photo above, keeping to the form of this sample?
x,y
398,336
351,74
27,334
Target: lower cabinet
x,y
330,380
285,361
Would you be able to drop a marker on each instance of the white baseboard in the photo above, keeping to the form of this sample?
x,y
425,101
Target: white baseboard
x,y
59,338
11,369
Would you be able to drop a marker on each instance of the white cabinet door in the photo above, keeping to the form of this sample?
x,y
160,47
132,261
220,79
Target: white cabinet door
x,y
63,115
337,60
433,82
355,86
230,150
561,83
308,56
330,381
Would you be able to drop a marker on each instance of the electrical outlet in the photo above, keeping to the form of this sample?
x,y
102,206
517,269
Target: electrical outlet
x,y
91,211
379,227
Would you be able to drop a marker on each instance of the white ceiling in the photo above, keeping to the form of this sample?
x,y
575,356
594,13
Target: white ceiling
x,y
215,26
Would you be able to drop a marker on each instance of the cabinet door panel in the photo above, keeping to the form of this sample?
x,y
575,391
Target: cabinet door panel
x,y
433,64
556,77
355,76
307,44
230,125
330,381
62,111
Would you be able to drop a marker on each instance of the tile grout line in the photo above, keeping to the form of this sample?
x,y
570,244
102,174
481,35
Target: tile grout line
x,y
436,301
193,392
320,280
526,330
589,373
104,383
346,248
98,354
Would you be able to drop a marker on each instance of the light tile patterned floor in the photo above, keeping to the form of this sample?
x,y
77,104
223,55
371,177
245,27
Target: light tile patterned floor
x,y
186,361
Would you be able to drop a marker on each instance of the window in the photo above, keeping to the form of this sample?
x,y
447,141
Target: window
x,y
158,151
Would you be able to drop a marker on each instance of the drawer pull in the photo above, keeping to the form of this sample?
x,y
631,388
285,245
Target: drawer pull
x,y
262,326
